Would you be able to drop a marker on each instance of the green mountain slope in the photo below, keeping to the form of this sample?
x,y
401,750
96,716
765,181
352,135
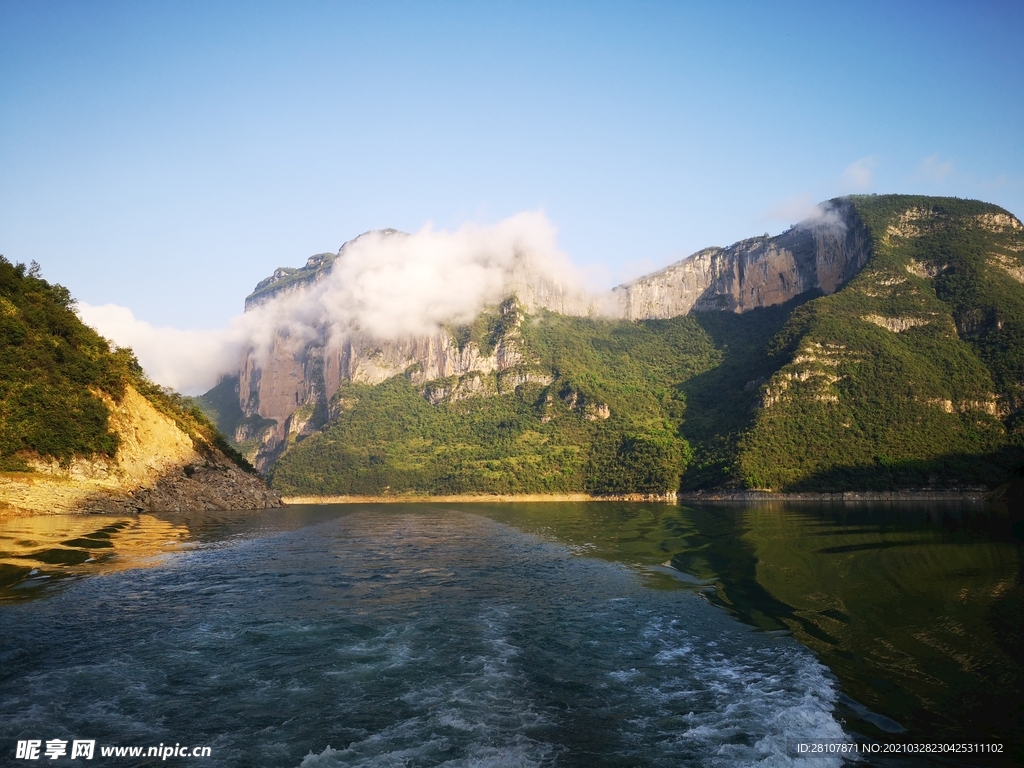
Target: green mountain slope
x,y
910,375
595,409
57,376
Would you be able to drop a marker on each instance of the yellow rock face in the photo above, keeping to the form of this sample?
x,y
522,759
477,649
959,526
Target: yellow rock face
x,y
157,467
150,442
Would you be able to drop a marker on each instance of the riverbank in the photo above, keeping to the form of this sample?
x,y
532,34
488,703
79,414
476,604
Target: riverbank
x,y
476,498
669,498
976,494
35,495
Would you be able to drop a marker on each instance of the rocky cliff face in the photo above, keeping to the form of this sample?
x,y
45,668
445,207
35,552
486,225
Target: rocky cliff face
x,y
291,395
287,394
157,468
759,272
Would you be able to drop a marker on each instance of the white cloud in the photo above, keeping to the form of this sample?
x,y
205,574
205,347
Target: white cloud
x,y
859,176
805,212
383,286
823,215
934,170
394,286
188,361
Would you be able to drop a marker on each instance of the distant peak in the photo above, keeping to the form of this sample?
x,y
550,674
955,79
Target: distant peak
x,y
316,265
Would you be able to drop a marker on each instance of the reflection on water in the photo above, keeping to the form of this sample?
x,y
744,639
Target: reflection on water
x,y
917,611
40,553
917,608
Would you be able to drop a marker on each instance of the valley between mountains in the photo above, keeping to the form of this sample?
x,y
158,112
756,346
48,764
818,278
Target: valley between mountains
x,y
878,347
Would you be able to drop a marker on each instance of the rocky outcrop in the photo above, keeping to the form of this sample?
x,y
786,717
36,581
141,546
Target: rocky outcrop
x,y
897,324
927,271
999,222
288,392
294,391
759,272
1012,267
157,467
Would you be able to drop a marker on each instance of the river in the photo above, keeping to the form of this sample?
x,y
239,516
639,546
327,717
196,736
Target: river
x,y
573,634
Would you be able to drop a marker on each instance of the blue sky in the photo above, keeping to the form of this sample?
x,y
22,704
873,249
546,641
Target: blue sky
x,y
167,156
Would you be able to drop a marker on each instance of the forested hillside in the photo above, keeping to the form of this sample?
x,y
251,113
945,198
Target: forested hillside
x,y
58,379
910,375
597,408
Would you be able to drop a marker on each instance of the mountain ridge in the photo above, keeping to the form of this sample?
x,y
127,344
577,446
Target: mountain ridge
x,y
287,396
821,253
765,326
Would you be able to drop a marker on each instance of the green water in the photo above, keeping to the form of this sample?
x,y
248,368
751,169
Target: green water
x,y
917,608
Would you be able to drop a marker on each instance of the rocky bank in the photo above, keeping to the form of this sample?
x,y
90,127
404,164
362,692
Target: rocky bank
x,y
157,467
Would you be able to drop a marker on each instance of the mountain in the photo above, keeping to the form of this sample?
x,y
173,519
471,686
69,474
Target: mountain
x,y
819,255
81,429
877,346
913,373
284,394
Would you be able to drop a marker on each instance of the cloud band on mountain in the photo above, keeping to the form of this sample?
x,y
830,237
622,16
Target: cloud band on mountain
x,y
385,286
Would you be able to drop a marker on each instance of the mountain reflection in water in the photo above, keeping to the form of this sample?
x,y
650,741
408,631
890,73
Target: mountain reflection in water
x,y
39,552
917,608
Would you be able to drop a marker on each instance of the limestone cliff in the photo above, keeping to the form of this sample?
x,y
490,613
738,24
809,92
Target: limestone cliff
x,y
157,467
291,395
286,393
759,272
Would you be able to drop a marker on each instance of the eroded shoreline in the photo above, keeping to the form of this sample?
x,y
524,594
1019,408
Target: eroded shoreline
x,y
671,498
8,510
474,498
